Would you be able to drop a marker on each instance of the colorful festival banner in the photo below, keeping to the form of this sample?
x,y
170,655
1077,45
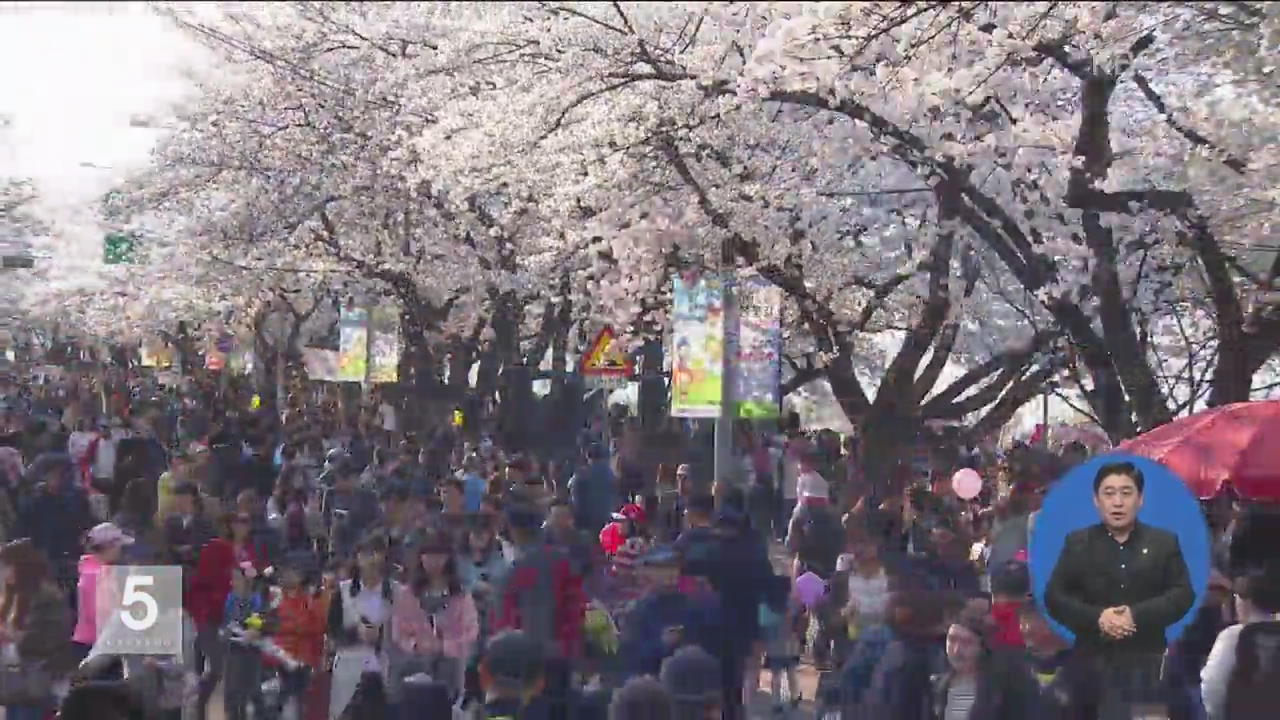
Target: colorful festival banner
x,y
353,345
759,348
697,345
384,344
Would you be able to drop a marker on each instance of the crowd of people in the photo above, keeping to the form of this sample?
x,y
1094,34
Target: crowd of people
x,y
333,568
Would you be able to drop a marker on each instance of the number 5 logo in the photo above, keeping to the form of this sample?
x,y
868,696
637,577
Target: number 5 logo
x,y
134,595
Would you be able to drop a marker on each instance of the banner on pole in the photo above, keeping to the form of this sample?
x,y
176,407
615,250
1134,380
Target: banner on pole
x,y
353,345
697,344
384,344
759,348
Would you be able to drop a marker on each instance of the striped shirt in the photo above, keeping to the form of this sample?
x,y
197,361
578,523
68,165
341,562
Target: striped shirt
x,y
961,695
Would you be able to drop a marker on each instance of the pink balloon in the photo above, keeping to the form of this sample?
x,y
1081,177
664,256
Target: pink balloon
x,y
966,483
810,588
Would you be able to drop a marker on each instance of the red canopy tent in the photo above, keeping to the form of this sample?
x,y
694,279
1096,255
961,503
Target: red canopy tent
x,y
1237,444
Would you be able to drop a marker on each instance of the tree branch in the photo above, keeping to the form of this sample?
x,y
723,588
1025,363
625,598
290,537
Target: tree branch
x,y
1190,134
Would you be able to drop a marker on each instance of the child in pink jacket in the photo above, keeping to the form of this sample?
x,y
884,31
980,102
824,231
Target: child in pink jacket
x,y
434,625
104,543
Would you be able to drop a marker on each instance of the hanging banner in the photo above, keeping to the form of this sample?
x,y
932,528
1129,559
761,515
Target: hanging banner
x,y
353,345
697,344
321,364
384,344
759,348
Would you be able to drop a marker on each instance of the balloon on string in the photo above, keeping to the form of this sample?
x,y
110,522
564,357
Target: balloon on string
x,y
966,483
810,588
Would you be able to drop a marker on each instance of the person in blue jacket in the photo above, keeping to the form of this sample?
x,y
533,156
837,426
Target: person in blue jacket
x,y
593,491
665,619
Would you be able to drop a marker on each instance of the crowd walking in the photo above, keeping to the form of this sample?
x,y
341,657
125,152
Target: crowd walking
x,y
335,570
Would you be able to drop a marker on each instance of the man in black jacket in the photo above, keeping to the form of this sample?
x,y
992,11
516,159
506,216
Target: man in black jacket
x,y
1118,585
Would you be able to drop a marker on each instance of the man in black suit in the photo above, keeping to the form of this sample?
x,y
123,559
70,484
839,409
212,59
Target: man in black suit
x,y
1118,585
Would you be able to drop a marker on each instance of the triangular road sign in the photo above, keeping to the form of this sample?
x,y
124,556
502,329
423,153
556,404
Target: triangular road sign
x,y
606,356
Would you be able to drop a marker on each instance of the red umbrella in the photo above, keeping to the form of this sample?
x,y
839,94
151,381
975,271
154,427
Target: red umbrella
x,y
1237,443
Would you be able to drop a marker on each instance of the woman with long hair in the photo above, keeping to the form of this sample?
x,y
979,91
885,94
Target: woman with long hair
x,y
207,596
287,507
358,613
434,624
35,626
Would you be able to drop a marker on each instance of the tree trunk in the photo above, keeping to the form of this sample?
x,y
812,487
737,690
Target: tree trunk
x,y
653,384
418,374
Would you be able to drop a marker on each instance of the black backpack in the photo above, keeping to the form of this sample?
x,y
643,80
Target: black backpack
x,y
822,540
1252,686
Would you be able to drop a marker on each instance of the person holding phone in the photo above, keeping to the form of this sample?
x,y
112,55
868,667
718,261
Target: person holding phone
x,y
357,613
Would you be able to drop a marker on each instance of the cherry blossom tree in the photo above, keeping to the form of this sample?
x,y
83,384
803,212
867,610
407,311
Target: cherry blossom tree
x,y
1043,134
299,158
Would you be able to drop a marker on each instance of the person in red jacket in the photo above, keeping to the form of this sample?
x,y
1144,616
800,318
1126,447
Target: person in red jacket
x,y
543,597
207,594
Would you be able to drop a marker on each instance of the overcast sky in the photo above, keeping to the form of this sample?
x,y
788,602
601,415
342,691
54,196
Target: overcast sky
x,y
71,76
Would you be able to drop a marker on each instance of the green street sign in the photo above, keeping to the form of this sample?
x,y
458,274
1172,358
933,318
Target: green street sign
x,y
119,249
17,262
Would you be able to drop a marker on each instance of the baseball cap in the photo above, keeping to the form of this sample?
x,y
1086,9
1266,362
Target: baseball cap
x,y
513,657
692,676
107,534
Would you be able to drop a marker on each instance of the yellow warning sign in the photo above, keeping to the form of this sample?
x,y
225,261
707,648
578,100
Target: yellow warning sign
x,y
607,358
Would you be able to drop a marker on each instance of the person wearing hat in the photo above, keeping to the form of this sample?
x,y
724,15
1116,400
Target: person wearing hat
x,y
622,540
104,544
665,619
692,677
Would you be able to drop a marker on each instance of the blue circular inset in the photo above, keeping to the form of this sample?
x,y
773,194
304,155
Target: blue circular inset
x,y
1166,503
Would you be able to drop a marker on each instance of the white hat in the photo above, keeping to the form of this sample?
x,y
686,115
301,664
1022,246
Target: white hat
x,y
107,534
811,485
